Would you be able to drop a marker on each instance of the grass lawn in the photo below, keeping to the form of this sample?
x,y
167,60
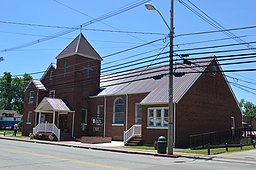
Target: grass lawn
x,y
141,147
8,132
200,151
217,150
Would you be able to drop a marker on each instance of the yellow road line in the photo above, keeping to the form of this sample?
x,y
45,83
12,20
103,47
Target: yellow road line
x,y
64,159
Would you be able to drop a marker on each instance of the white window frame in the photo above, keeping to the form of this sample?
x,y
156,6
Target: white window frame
x,y
114,112
98,110
51,75
163,125
29,117
233,123
52,93
31,97
136,113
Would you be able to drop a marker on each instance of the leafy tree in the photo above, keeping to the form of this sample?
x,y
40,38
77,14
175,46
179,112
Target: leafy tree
x,y
12,91
248,108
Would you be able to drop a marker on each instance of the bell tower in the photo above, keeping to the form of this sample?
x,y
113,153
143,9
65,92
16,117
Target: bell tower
x,y
78,75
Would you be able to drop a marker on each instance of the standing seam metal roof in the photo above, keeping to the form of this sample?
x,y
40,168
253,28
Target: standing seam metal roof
x,y
157,89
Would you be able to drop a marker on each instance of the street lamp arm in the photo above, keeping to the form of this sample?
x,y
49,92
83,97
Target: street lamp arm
x,y
163,19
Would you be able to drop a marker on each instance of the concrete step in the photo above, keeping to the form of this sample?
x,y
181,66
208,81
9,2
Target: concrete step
x,y
135,141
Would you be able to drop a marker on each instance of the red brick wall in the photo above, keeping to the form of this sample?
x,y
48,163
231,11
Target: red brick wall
x,y
27,107
149,135
206,107
74,87
116,132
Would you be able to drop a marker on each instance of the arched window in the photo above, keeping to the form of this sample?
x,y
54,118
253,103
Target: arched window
x,y
118,114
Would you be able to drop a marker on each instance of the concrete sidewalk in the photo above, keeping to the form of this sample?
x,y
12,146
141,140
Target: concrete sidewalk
x,y
248,157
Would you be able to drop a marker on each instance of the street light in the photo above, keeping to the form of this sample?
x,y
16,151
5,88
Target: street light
x,y
170,107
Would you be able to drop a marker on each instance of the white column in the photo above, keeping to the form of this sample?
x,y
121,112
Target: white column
x,y
53,119
39,119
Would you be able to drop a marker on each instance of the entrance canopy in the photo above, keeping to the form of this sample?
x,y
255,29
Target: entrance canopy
x,y
50,105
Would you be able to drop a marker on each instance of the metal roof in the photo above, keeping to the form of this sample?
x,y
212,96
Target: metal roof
x,y
80,46
141,81
39,85
52,104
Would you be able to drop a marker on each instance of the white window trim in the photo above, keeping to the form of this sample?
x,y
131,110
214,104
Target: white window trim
x,y
154,117
117,124
113,119
98,109
29,113
152,127
31,97
233,122
53,93
51,75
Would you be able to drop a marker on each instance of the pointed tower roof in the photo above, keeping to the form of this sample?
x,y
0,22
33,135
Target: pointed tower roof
x,y
80,46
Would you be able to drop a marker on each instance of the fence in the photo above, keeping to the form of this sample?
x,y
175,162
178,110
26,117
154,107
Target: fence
x,y
221,137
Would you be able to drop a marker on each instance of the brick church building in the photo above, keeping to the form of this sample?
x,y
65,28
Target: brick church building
x,y
73,99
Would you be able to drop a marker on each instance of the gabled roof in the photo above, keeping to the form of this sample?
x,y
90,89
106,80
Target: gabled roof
x,y
52,104
157,90
80,46
52,65
37,83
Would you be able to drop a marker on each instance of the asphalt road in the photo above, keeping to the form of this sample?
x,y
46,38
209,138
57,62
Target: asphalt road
x,y
30,156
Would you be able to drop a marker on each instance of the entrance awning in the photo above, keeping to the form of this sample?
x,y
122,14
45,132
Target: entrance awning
x,y
50,105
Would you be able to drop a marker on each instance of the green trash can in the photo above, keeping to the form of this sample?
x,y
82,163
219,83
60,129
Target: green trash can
x,y
161,145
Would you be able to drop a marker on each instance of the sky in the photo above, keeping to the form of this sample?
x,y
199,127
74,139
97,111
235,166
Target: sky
x,y
27,29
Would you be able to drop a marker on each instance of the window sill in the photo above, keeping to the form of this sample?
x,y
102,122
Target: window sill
x,y
157,127
117,124
28,123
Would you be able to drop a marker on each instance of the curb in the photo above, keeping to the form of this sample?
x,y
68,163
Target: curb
x,y
83,147
203,157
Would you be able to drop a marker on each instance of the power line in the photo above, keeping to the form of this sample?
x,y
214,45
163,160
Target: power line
x,y
217,46
213,22
216,31
212,40
76,28
106,16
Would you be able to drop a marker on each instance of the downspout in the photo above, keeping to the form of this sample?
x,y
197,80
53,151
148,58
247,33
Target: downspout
x,y
37,93
174,126
73,124
105,113
126,110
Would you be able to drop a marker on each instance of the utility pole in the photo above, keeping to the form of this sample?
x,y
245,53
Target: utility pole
x,y
170,108
170,133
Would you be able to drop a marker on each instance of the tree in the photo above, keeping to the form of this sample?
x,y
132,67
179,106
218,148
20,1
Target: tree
x,y
12,91
248,108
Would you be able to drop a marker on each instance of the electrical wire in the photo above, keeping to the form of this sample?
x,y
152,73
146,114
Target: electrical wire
x,y
213,22
101,18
